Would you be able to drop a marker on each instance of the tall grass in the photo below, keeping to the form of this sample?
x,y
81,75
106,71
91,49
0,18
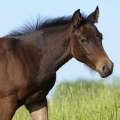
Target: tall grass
x,y
82,100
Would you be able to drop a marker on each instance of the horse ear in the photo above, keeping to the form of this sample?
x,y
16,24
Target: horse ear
x,y
76,18
95,15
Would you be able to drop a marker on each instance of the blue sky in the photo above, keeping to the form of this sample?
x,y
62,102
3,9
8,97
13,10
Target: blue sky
x,y
15,13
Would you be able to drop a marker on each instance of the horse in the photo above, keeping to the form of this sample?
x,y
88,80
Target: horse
x,y
31,55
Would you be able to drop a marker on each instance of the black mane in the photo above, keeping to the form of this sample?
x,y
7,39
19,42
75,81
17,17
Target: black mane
x,y
42,24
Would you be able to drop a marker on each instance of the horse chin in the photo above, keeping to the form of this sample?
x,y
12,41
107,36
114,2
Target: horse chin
x,y
103,75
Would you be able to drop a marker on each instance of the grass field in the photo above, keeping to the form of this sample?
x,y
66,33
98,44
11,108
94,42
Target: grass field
x,y
82,100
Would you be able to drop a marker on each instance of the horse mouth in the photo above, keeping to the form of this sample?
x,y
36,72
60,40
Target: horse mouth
x,y
104,75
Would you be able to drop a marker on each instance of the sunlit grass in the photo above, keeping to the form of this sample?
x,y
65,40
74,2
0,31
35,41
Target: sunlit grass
x,y
82,101
22,114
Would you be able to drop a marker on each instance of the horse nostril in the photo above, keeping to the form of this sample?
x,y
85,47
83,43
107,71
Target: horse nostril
x,y
105,69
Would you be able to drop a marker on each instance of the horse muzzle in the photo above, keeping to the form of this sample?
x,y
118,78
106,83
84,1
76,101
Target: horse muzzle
x,y
105,69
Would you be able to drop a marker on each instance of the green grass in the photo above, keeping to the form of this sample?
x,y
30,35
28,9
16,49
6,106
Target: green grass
x,y
82,100
22,114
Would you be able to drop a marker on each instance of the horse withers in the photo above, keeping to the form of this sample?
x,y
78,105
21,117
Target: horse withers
x,y
30,57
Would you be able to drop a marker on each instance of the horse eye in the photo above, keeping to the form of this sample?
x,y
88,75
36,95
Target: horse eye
x,y
83,40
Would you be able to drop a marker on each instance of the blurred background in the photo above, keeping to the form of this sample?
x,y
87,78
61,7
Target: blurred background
x,y
14,13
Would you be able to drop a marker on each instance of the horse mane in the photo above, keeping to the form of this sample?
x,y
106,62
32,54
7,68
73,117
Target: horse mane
x,y
40,24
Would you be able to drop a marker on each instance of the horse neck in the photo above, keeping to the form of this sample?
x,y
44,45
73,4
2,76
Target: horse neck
x,y
56,50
